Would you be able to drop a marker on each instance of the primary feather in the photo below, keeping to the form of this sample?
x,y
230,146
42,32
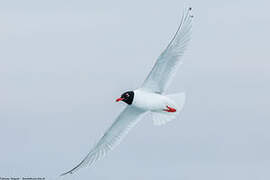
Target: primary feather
x,y
113,136
168,62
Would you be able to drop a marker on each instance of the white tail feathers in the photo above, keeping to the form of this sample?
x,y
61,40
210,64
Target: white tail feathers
x,y
161,118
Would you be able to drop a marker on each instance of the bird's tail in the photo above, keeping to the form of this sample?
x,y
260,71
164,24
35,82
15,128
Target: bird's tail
x,y
160,118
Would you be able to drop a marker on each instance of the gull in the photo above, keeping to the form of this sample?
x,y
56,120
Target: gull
x,y
148,98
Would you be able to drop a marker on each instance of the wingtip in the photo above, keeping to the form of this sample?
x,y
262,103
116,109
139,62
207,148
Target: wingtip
x,y
189,11
63,174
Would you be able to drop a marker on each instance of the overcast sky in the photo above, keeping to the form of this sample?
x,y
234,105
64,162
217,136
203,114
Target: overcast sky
x,y
62,64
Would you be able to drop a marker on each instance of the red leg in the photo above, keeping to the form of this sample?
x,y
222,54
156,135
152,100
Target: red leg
x,y
169,109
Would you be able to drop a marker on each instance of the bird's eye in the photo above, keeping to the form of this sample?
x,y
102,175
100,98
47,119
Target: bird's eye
x,y
127,95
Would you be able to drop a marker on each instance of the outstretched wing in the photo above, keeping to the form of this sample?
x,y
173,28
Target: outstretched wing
x,y
167,63
113,136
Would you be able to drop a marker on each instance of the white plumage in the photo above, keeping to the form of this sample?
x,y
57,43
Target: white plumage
x,y
168,62
113,136
152,101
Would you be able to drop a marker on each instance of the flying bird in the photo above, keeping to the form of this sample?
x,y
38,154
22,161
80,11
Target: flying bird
x,y
148,98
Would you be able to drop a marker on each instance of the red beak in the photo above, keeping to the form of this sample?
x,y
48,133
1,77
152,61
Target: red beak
x,y
119,99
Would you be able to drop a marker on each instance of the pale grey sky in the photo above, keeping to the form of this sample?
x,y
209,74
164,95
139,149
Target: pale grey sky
x,y
62,64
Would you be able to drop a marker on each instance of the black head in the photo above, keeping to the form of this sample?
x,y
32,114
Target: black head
x,y
127,97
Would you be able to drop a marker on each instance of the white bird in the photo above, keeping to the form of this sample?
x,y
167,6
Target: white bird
x,y
149,97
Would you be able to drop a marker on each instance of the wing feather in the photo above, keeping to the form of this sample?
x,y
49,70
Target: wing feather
x,y
113,136
167,63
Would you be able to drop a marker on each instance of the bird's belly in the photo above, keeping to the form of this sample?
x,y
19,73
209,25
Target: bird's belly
x,y
149,101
